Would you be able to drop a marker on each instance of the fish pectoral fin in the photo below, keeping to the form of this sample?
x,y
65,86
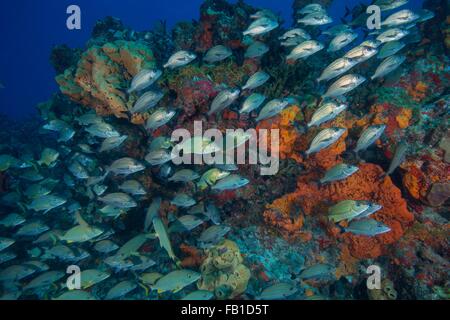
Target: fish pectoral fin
x,y
178,289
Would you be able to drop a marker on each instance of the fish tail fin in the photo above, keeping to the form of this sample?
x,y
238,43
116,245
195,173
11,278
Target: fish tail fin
x,y
23,206
146,289
383,176
366,33
347,11
304,154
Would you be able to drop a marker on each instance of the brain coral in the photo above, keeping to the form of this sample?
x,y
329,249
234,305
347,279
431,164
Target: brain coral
x,y
102,74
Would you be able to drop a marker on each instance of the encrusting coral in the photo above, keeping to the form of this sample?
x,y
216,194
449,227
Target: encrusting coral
x,y
102,75
223,271
366,184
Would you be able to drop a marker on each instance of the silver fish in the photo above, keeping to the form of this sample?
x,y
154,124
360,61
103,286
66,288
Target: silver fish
x,y
125,166
369,136
401,17
212,212
324,139
399,156
319,18
305,49
217,54
199,295
231,182
223,100
320,270
348,210
361,53
278,291
336,68
344,85
252,102
264,13
176,280
367,227
295,33
388,65
371,209
272,108
147,101
163,236
393,34
121,289
5,243
158,157
256,80
102,130
425,15
196,145
152,212
213,234
132,187
371,43
32,229
326,112
256,49
261,26
339,172
390,48
118,200
183,200
187,222
386,5
179,59
91,277
16,273
12,220
88,119
341,40
293,42
78,171
46,203
184,175
105,246
311,8
337,29
159,118
112,143
144,79
160,142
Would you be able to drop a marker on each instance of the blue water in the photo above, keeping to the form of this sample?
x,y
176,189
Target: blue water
x,y
31,28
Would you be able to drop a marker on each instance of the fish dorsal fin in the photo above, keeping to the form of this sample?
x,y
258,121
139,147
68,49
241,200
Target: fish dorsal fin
x,y
79,219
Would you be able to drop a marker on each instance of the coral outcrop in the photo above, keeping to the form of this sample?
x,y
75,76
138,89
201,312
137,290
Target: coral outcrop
x,y
102,75
223,271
